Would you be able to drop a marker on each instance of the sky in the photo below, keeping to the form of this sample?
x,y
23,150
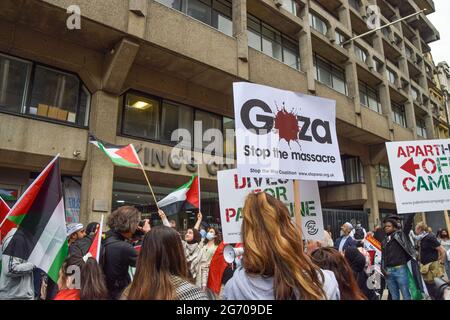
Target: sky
x,y
440,19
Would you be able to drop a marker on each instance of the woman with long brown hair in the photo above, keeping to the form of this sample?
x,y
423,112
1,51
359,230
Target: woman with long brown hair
x,y
92,284
162,272
331,259
274,263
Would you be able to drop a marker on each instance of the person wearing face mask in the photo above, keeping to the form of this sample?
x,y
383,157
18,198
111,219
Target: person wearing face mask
x,y
210,244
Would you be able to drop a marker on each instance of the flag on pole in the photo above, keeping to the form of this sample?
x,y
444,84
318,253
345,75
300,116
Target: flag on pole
x,y
4,210
8,195
125,156
185,196
94,250
41,236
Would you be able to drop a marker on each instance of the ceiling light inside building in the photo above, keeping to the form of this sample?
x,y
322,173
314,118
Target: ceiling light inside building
x,y
120,201
142,105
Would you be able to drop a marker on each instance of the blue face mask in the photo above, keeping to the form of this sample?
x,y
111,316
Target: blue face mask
x,y
203,233
210,236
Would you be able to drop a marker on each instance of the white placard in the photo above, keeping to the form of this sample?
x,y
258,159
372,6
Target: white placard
x,y
420,173
285,134
233,189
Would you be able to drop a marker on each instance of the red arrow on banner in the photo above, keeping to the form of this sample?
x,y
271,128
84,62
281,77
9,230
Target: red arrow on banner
x,y
410,167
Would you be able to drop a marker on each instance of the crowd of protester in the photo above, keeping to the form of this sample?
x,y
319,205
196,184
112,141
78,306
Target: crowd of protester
x,y
141,262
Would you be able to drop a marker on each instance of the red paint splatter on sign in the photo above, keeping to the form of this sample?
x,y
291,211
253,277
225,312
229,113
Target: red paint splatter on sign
x,y
287,125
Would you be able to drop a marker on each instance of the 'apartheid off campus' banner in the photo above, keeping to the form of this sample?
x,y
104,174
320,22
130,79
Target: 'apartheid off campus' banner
x,y
284,134
233,189
420,173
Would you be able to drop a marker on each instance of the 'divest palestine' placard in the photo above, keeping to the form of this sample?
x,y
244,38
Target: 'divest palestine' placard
x,y
233,189
420,173
285,134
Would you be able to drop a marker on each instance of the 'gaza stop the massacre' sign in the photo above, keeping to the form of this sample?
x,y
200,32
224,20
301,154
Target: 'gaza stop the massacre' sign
x,y
284,134
420,173
233,189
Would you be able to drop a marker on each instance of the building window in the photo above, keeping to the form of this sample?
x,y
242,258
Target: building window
x,y
174,118
208,121
386,31
157,119
384,176
318,23
377,65
216,13
398,113
415,94
353,170
229,150
369,97
330,74
339,38
14,75
421,129
409,52
360,53
141,117
49,93
392,77
263,37
290,5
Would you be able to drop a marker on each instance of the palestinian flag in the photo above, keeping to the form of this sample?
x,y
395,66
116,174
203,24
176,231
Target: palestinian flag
x,y
8,195
41,233
185,196
94,250
4,210
125,156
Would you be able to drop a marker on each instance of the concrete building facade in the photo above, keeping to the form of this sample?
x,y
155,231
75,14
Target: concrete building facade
x,y
137,69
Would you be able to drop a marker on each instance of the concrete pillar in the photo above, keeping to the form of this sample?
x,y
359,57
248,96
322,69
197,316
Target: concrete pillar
x,y
344,15
306,53
240,32
370,179
429,126
351,76
98,173
410,117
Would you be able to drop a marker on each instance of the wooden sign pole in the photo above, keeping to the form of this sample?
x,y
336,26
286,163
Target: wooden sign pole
x,y
297,206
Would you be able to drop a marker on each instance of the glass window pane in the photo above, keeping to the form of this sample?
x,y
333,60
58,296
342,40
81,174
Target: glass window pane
x,y
199,10
362,97
290,5
209,121
253,23
55,94
13,79
175,117
339,84
291,58
271,48
222,23
229,124
176,4
141,117
254,40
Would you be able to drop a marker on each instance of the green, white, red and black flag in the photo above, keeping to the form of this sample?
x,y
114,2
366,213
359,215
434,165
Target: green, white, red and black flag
x,y
8,195
125,156
186,196
41,236
94,250
4,210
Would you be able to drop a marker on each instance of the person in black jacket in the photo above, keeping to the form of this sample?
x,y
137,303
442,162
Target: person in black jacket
x,y
118,254
397,250
81,246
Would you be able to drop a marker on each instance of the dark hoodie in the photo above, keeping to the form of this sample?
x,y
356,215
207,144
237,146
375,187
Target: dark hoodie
x,y
357,262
